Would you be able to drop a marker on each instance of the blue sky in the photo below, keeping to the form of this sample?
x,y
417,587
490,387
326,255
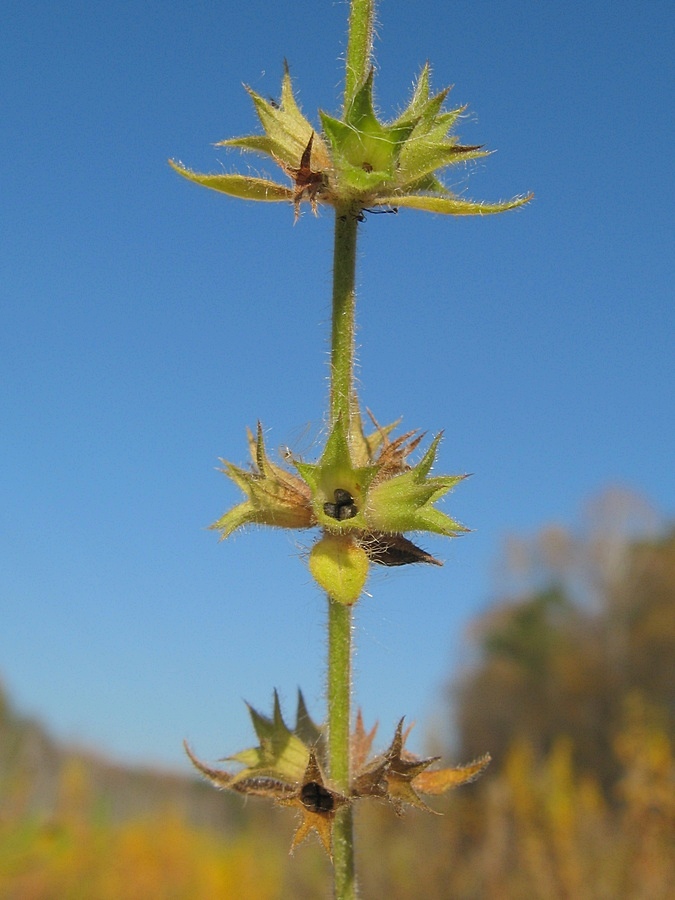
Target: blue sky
x,y
145,322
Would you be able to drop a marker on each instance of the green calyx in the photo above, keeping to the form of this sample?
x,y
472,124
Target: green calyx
x,y
362,492
359,161
365,151
338,488
387,496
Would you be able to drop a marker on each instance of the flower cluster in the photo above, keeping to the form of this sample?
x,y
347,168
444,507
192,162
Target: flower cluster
x,y
288,766
363,493
356,162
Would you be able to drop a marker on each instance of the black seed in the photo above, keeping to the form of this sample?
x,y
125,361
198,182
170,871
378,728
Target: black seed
x,y
316,798
344,506
346,512
342,497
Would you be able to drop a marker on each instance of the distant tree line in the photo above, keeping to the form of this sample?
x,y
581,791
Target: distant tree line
x,y
589,627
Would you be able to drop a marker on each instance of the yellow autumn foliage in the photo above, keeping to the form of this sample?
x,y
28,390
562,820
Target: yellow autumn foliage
x,y
532,828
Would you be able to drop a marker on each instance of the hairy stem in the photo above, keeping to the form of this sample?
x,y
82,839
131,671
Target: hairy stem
x,y
340,615
339,720
342,338
339,690
359,46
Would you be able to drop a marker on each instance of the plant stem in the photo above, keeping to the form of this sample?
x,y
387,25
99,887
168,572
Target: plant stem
x,y
339,614
342,338
359,46
339,720
339,690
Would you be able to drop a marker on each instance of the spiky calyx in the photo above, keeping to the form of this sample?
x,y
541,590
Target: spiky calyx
x,y
358,162
289,767
274,495
363,493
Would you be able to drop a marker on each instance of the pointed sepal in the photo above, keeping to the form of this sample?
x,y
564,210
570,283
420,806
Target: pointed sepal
x,y
391,775
449,205
243,187
286,130
280,754
399,776
439,781
275,496
405,502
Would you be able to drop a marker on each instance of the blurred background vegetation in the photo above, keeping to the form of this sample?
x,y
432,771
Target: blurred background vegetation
x,y
570,685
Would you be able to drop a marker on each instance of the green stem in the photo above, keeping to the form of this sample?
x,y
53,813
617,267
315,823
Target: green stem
x,y
342,338
339,690
339,614
359,46
339,720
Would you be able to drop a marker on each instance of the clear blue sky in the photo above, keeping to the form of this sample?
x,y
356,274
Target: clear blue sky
x,y
145,322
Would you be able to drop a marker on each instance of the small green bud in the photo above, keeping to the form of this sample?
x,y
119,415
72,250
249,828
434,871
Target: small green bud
x,y
340,566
